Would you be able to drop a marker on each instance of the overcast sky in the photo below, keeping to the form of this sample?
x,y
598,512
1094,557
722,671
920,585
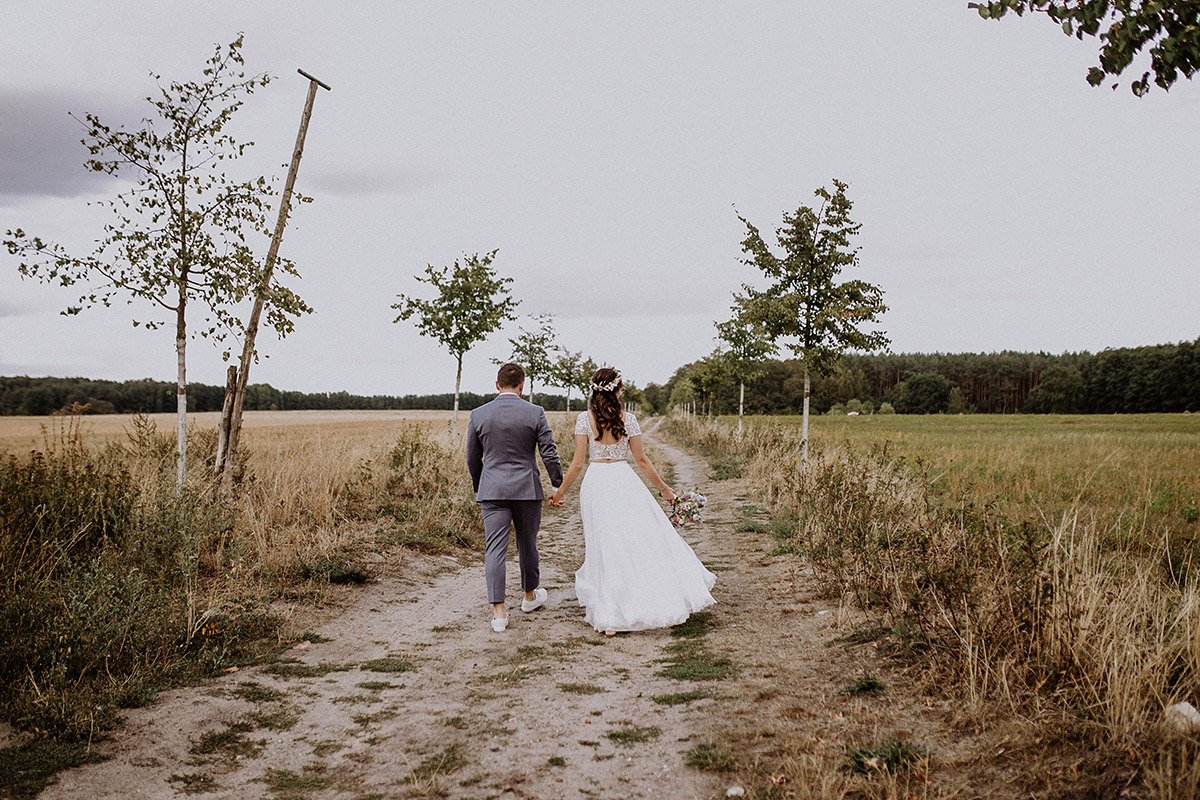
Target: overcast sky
x,y
605,149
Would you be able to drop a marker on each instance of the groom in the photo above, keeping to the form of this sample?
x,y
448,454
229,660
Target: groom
x,y
501,440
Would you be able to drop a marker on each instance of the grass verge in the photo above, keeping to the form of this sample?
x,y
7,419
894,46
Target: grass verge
x,y
1040,567
114,585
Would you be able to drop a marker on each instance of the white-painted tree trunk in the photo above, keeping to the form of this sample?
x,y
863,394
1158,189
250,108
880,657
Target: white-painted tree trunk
x,y
804,425
741,405
181,398
457,384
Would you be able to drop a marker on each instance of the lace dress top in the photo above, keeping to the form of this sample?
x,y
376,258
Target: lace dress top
x,y
600,452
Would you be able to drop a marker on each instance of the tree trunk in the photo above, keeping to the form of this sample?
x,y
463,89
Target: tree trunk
x,y
804,425
741,404
457,384
223,428
181,394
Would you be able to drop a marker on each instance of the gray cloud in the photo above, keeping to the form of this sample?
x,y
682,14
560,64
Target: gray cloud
x,y
365,181
40,150
11,309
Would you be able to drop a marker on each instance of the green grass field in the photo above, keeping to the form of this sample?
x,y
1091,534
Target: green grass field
x,y
1035,465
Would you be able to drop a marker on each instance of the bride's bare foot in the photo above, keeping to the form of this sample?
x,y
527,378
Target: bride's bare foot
x,y
610,633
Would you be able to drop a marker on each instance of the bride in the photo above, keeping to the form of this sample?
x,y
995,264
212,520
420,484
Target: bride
x,y
637,571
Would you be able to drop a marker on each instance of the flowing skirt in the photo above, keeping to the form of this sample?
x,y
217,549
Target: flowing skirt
x,y
637,571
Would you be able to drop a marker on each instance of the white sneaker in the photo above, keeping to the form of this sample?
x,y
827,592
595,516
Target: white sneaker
x,y
499,625
539,597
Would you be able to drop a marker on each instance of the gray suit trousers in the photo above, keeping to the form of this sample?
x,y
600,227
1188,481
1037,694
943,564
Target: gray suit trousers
x,y
523,515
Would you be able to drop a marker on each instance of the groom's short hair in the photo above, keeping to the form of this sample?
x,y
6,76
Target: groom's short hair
x,y
510,376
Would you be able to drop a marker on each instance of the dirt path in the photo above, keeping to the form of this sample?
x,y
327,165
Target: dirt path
x,y
409,693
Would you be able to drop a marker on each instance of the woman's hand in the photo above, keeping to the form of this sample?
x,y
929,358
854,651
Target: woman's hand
x,y
667,494
556,499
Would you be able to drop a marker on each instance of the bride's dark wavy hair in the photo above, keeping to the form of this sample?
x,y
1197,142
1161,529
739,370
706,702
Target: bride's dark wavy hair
x,y
610,415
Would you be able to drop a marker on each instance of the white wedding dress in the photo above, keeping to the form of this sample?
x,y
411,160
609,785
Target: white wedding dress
x,y
637,571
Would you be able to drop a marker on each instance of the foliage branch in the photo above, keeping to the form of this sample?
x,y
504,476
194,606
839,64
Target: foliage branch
x,y
1169,29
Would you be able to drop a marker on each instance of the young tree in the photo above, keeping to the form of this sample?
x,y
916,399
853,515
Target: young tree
x,y
533,350
749,346
682,394
583,377
566,371
180,232
632,397
1170,28
707,376
472,303
805,304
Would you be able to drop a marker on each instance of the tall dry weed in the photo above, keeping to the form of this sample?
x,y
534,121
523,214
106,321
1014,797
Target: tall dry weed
x,y
1077,618
114,584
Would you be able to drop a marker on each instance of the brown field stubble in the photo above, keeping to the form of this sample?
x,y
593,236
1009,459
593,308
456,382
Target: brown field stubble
x,y
1046,579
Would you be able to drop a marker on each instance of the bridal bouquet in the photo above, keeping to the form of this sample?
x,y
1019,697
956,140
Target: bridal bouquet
x,y
687,507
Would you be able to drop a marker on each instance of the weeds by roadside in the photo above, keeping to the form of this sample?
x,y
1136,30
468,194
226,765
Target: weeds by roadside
x,y
1084,619
113,585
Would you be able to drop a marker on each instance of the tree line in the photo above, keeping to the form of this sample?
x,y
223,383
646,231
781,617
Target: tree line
x,y
1161,378
24,396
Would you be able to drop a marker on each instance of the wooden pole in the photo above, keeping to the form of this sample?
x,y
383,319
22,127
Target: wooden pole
x,y
285,202
226,414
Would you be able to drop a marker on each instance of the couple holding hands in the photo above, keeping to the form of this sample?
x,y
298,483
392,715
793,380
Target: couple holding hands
x,y
637,571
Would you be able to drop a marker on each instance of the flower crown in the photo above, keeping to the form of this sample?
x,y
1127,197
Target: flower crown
x,y
611,386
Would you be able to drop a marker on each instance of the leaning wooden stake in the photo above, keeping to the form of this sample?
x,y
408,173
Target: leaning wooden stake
x,y
226,415
285,202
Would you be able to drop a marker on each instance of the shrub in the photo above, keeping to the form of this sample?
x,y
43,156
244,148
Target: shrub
x,y
99,595
417,487
886,408
891,756
1058,392
923,393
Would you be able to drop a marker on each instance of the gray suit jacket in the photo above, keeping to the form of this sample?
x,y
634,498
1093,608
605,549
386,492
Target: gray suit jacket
x,y
502,438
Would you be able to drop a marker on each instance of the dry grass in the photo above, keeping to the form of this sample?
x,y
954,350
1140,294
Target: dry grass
x,y
102,560
260,428
314,482
1036,581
